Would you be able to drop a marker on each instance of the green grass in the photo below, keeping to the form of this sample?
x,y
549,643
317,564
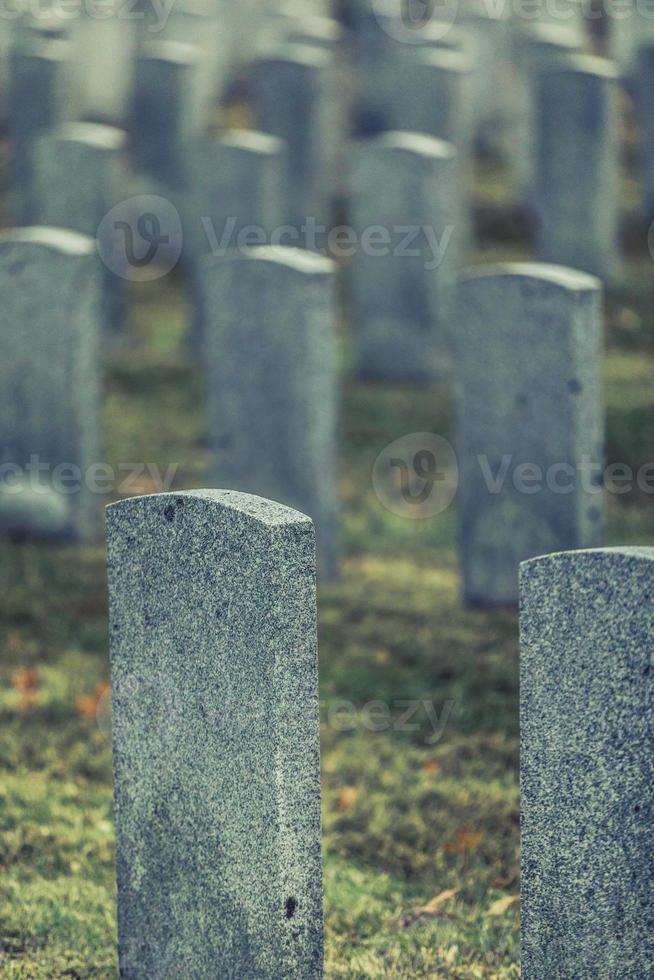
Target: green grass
x,y
408,815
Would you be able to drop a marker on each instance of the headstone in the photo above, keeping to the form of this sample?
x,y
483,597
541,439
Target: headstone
x,y
49,412
103,51
406,212
537,47
162,117
644,85
236,201
271,382
37,92
79,169
577,166
630,25
290,98
587,766
429,96
215,734
530,430
487,27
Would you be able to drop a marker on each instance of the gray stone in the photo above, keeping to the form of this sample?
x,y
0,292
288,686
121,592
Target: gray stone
x,y
429,96
103,52
79,170
162,116
644,84
536,46
271,382
405,205
215,733
587,765
291,101
49,400
577,166
37,93
530,429
236,200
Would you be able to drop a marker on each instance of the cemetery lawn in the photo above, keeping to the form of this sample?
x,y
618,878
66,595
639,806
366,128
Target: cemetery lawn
x,y
421,833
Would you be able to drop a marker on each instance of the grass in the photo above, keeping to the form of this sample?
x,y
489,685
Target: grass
x,y
421,813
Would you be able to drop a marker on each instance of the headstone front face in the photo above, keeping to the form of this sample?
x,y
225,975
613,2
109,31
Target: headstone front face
x,y
644,85
37,94
78,173
236,201
162,120
271,381
405,206
215,734
290,97
49,403
103,52
577,166
428,96
530,430
587,764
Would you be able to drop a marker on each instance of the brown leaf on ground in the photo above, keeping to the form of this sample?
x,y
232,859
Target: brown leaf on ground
x,y
346,798
87,705
465,840
432,909
503,904
431,765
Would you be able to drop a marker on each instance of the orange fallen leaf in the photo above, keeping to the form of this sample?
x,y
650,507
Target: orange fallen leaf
x,y
26,679
433,908
87,705
432,765
466,840
346,798
502,904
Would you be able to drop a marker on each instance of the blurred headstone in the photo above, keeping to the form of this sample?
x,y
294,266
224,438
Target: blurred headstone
x,y
530,430
271,381
103,51
644,85
429,96
49,411
214,660
79,170
587,764
405,203
291,101
577,166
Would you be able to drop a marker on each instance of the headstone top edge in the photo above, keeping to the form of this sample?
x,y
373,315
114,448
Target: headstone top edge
x,y
557,275
298,259
557,35
57,239
641,553
448,58
585,64
412,142
268,513
177,52
101,135
250,139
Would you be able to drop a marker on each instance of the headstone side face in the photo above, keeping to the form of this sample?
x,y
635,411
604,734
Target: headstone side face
x,y
406,210
587,765
49,388
271,382
215,730
529,422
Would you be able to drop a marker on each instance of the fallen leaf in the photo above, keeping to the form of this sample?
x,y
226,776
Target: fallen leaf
x,y
432,765
26,679
502,904
466,840
346,798
433,908
87,705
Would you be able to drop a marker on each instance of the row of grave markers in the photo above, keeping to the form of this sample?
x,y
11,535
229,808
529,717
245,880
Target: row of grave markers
x,y
212,593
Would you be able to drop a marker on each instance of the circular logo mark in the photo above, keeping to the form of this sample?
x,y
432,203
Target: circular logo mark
x,y
415,21
416,476
141,238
